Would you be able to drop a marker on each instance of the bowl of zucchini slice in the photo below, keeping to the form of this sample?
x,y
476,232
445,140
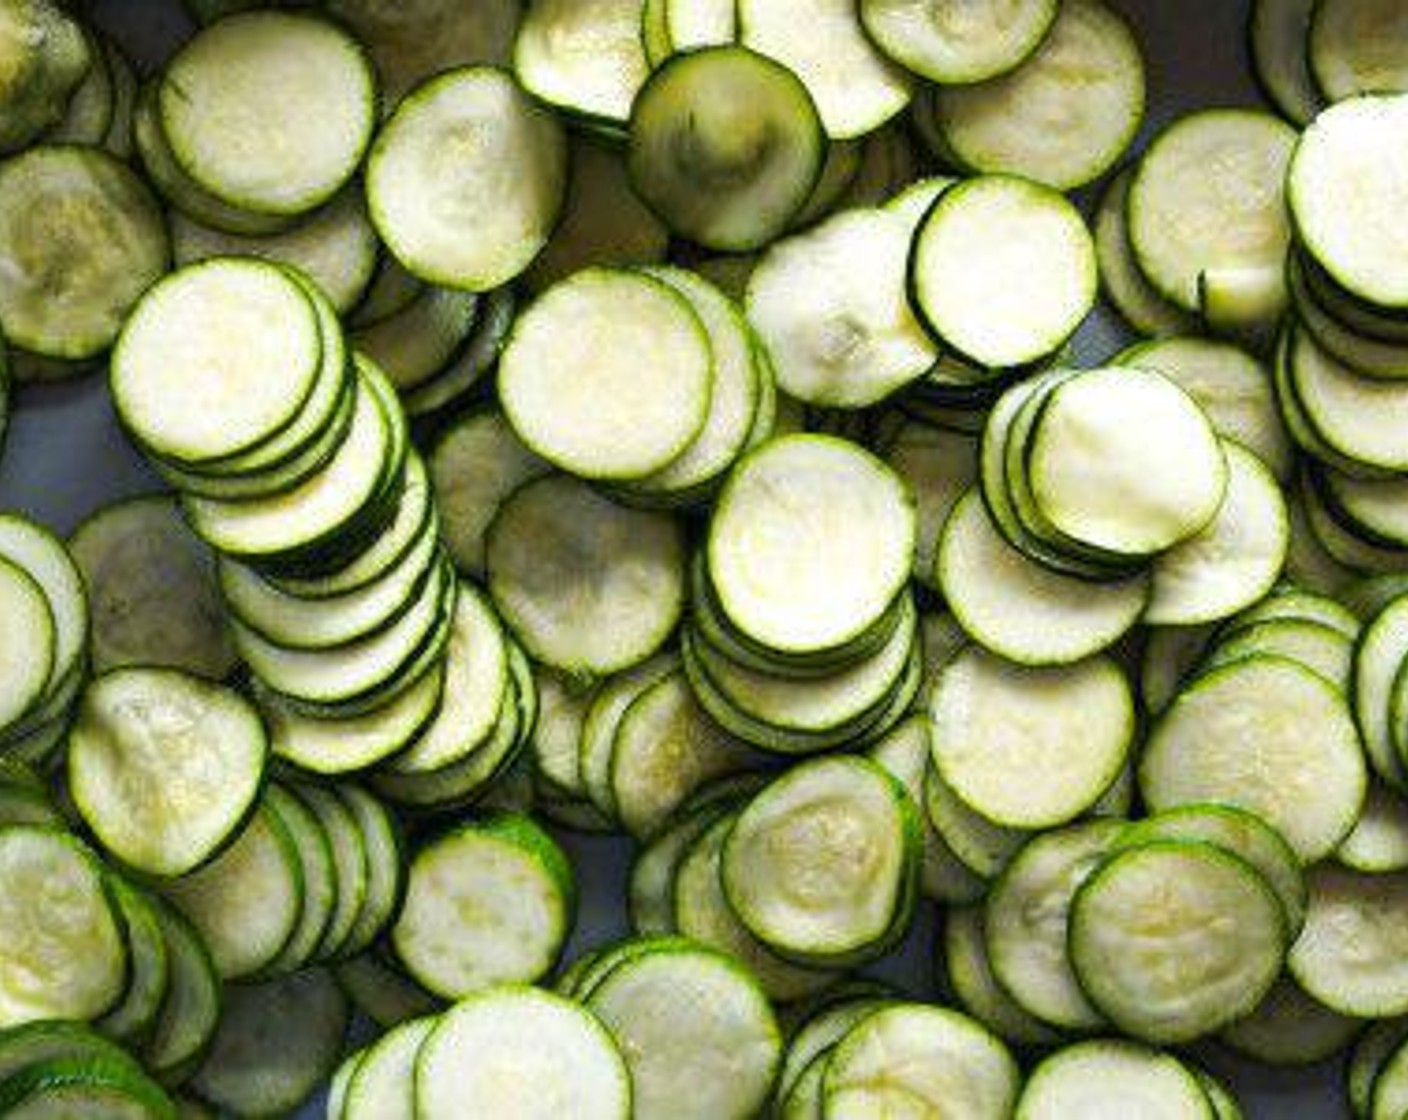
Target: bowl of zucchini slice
x,y
704,559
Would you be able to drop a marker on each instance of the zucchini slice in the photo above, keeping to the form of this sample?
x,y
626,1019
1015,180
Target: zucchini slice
x,y
1234,560
855,87
995,724
269,111
1104,1079
553,394
27,649
801,573
1356,47
1289,1028
822,864
1007,308
151,590
1260,733
1349,955
958,45
521,1049
467,149
1137,301
726,147
912,1057
351,865
1208,195
585,584
698,1035
163,766
585,58
830,306
1277,36
1123,460
320,887
490,903
191,373
1379,841
246,902
336,247
84,1087
970,975
1065,115
1173,939
1026,922
382,1084
47,57
252,1070
1020,609
84,238
62,955
663,749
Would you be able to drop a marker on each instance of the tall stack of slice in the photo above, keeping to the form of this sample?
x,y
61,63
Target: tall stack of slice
x,y
294,465
1343,357
804,632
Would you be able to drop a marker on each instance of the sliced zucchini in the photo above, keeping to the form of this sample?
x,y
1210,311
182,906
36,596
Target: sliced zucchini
x,y
381,992
822,865
382,1084
335,246
320,887
84,238
1236,558
467,149
1261,733
475,360
269,111
1233,388
918,1058
386,874
190,1009
61,951
351,865
1007,308
47,56
1379,841
969,972
1065,115
855,87
1356,416
27,651
1245,835
521,1050
1015,607
830,306
802,575
178,188
664,748
84,1087
996,723
958,46
191,373
1104,1079
1027,921
1277,37
1374,1047
1349,956
1289,1028
699,1037
1173,939
151,590
163,766
1208,195
490,903
726,147
246,901
587,59
703,912
553,393
419,343
252,1070
1137,301
1356,47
